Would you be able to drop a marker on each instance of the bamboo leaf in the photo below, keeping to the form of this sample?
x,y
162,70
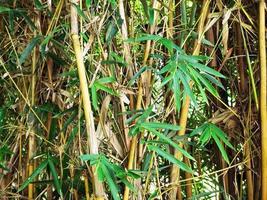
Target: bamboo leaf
x,y
221,135
138,74
170,142
89,157
221,148
111,183
104,88
106,80
36,172
159,125
4,9
88,3
55,176
94,97
29,49
170,158
208,70
187,88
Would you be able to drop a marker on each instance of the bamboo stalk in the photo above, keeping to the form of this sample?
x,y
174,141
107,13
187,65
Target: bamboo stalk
x,y
89,119
31,147
175,172
263,95
133,143
86,185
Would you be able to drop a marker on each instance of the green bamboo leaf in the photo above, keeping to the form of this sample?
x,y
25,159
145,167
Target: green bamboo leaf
x,y
171,66
205,137
187,58
145,114
94,97
4,9
199,85
89,157
38,5
144,37
104,88
134,130
221,135
112,30
80,12
106,80
205,82
198,130
113,3
37,171
214,80
132,118
159,125
177,92
170,142
128,184
100,174
151,15
71,137
138,74
221,148
187,88
111,183
203,40
170,158
88,3
167,80
118,58
208,70
29,49
11,20
55,176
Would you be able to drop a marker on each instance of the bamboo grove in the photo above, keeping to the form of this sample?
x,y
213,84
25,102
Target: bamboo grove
x,y
133,99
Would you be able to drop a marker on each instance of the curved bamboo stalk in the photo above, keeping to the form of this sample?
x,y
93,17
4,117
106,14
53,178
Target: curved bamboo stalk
x,y
263,95
89,119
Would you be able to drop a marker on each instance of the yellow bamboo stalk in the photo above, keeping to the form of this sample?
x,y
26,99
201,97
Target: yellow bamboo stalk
x,y
128,57
89,119
86,185
143,83
133,143
31,147
170,28
175,173
263,95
